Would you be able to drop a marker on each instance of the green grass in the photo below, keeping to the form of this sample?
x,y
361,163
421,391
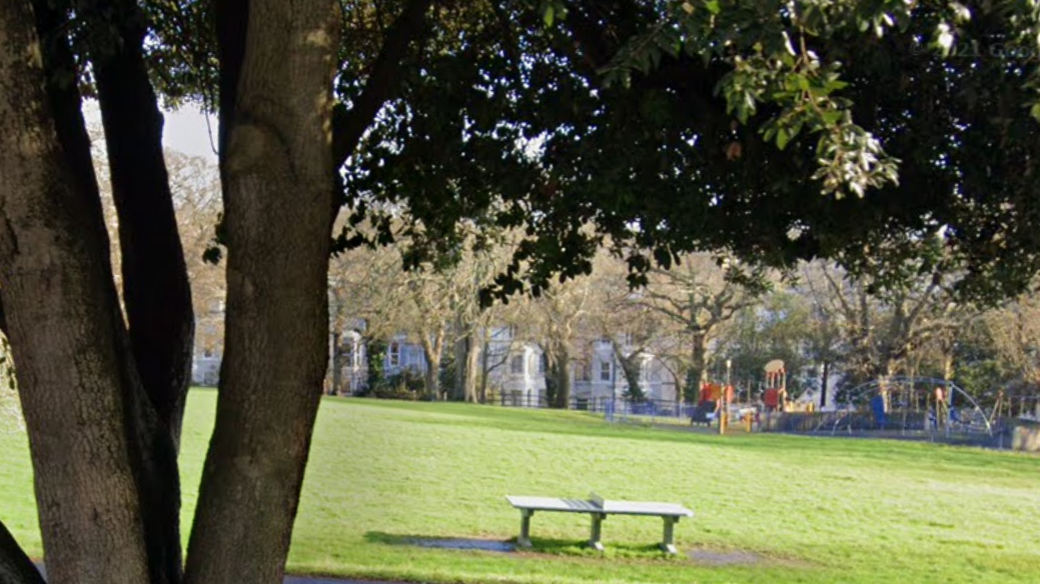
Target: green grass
x,y
812,510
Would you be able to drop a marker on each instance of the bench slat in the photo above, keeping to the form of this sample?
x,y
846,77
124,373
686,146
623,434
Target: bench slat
x,y
645,508
609,507
553,504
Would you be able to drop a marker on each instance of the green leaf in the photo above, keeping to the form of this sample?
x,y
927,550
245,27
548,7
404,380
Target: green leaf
x,y
713,6
832,117
1035,111
835,85
550,15
782,137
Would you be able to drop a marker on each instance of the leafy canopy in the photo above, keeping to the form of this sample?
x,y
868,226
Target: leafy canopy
x,y
862,131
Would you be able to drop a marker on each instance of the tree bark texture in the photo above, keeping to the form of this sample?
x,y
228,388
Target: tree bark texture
x,y
699,360
433,349
470,390
156,292
631,367
559,366
278,187
66,331
461,352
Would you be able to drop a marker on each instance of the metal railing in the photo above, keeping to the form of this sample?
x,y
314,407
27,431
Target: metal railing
x,y
609,406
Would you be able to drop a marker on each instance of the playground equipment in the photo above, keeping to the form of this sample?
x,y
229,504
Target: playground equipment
x,y
907,405
775,395
718,401
710,404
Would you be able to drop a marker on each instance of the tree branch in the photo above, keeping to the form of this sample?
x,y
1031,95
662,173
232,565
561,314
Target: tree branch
x,y
349,125
155,279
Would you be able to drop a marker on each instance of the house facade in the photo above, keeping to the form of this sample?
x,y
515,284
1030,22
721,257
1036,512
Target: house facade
x,y
513,366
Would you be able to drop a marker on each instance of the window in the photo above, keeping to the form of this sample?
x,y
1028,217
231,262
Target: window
x,y
516,365
604,371
394,354
541,363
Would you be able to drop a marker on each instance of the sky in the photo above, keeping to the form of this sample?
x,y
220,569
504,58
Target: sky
x,y
186,130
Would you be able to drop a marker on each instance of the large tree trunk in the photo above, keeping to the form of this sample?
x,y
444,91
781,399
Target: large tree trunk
x,y
156,293
77,385
278,171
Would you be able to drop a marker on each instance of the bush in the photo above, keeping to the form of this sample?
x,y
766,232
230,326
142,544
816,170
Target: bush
x,y
406,385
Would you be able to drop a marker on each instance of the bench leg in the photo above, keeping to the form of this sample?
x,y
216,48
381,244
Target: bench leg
x,y
525,528
597,523
667,544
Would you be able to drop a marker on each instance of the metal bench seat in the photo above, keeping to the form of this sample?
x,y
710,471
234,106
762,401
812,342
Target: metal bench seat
x,y
598,509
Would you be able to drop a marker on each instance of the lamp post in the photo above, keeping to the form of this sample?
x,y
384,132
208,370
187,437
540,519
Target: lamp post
x,y
724,400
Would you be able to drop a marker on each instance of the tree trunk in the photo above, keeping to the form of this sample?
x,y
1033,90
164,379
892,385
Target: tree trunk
x,y
630,368
699,361
278,172
485,365
77,384
156,293
337,364
680,390
432,349
461,359
15,566
470,370
559,366
824,383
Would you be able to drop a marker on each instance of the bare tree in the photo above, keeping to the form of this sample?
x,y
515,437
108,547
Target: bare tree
x,y
882,328
556,320
1014,331
697,297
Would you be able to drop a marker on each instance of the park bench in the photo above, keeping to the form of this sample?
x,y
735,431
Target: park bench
x,y
598,509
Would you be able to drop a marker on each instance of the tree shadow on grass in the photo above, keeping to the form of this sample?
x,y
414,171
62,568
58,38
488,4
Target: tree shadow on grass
x,y
555,547
437,542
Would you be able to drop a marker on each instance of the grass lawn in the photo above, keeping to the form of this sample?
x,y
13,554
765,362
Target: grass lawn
x,y
810,510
